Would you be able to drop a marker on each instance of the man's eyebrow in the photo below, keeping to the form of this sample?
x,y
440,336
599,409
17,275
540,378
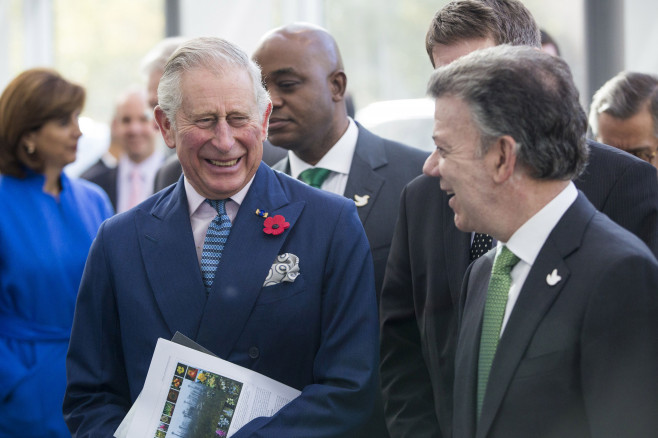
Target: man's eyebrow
x,y
281,71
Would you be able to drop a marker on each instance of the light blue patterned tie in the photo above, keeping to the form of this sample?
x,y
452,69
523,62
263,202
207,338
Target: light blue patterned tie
x,y
213,245
494,310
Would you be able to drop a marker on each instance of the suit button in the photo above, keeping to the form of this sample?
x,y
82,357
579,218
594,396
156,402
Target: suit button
x,y
253,352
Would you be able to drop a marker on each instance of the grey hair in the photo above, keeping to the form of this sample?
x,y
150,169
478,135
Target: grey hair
x,y
623,96
524,93
156,58
210,53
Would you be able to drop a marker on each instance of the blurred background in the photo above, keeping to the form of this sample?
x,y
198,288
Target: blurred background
x,y
100,45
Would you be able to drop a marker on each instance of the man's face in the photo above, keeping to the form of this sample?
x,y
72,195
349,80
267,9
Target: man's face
x,y
219,135
298,81
444,54
133,127
634,135
463,176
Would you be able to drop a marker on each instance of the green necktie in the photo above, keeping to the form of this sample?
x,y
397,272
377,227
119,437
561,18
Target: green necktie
x,y
494,309
315,176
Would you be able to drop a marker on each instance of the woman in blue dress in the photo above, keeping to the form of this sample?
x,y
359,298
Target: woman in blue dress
x,y
47,224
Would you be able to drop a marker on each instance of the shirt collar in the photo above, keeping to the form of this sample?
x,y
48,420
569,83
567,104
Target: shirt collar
x,y
338,159
527,241
195,200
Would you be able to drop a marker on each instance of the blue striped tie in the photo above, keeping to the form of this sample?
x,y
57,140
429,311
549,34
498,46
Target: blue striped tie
x,y
213,245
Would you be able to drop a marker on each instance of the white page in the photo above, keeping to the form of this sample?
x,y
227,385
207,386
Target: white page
x,y
187,389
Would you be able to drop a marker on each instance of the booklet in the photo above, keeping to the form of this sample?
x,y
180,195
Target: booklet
x,y
190,393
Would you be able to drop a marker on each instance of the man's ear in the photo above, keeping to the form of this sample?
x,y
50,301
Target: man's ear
x,y
338,83
165,127
266,120
503,156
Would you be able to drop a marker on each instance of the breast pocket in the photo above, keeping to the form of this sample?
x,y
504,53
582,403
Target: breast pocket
x,y
547,363
281,291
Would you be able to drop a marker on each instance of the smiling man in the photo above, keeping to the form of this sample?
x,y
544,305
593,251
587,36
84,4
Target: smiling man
x,y
429,254
553,323
195,257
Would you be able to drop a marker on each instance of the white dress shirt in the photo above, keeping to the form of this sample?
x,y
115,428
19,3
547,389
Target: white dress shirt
x,y
527,241
202,213
146,171
338,160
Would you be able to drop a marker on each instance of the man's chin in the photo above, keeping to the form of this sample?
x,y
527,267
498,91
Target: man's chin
x,y
282,141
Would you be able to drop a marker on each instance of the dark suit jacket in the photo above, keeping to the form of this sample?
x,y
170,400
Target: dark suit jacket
x,y
380,169
105,177
429,256
318,334
171,169
577,359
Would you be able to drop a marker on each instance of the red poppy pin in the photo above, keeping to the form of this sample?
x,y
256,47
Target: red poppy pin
x,y
275,225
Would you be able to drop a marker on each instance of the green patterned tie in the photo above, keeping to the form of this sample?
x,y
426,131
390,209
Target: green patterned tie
x,y
494,309
314,177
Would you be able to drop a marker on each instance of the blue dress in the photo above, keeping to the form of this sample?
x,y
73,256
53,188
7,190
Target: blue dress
x,y
44,243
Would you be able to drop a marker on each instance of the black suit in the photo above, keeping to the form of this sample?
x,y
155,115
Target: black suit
x,y
578,358
380,169
428,259
105,177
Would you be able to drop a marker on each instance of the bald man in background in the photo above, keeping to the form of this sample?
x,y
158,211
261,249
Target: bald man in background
x,y
303,72
131,181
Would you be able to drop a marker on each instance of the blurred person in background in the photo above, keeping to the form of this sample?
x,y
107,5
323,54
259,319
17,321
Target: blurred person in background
x,y
624,114
47,224
548,44
108,161
131,181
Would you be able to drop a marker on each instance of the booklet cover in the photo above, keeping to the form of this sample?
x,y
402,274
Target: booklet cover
x,y
189,393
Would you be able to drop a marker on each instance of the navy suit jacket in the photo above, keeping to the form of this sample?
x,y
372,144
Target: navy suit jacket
x,y
380,169
424,274
105,177
577,359
318,334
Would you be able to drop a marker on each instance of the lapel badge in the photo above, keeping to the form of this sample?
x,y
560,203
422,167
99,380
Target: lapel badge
x,y
553,278
261,213
360,201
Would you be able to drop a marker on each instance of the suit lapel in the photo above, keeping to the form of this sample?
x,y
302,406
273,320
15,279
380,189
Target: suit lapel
x,y
466,364
363,179
247,257
170,261
535,300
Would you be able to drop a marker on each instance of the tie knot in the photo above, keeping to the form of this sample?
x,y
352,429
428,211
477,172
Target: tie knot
x,y
504,261
314,177
218,204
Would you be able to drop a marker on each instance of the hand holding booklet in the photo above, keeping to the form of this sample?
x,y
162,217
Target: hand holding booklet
x,y
190,393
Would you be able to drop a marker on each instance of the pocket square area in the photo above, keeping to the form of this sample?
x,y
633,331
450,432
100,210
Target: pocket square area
x,y
284,268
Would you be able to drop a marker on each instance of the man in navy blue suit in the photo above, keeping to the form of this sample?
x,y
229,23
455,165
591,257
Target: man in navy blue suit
x,y
314,330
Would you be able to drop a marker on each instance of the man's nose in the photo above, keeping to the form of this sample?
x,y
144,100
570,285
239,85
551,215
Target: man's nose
x,y
275,97
224,139
431,166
